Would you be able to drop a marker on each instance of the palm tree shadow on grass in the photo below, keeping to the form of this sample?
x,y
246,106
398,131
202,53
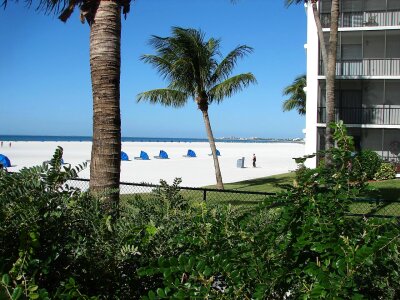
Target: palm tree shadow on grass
x,y
389,194
280,183
387,203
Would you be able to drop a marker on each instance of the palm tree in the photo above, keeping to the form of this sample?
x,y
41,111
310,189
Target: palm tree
x,y
189,63
297,94
104,19
329,62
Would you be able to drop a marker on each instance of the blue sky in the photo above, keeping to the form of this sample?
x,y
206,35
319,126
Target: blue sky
x,y
45,75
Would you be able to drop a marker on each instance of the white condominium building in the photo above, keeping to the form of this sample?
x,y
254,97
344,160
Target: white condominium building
x,y
367,86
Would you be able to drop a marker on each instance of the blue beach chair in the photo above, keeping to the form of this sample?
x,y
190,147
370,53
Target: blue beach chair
x,y
190,153
162,155
143,156
124,156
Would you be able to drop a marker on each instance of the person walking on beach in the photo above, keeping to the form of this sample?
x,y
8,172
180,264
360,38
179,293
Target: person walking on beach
x,y
254,160
1,144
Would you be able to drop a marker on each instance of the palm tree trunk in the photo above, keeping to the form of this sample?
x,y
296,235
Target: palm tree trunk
x,y
322,44
329,65
105,65
210,136
330,77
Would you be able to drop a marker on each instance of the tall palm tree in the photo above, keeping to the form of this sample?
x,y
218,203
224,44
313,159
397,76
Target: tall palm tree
x,y
297,95
189,63
104,19
328,54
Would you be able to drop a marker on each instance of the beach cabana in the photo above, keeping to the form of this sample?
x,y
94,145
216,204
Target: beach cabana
x,y
4,160
218,153
190,153
162,155
124,156
143,156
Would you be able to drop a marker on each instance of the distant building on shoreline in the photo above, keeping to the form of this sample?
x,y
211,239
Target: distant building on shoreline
x,y
367,87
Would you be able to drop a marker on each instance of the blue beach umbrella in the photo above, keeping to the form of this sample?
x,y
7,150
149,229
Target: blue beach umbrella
x,y
163,154
144,155
124,156
5,161
191,153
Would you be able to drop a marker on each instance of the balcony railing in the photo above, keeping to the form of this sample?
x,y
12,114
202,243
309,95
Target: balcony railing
x,y
366,67
363,19
363,115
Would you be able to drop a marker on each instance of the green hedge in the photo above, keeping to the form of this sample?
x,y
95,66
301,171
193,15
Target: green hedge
x,y
58,243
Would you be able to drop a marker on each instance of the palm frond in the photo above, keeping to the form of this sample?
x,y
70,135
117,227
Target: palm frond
x,y
297,104
213,46
291,2
297,95
163,66
166,97
185,86
230,86
65,8
225,68
189,63
297,87
195,49
53,6
158,42
176,56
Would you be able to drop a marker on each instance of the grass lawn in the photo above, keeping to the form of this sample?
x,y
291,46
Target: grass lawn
x,y
270,184
388,190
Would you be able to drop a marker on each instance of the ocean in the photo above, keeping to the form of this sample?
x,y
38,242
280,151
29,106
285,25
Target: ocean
x,y
59,138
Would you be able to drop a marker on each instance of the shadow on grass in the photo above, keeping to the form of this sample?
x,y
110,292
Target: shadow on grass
x,y
389,194
279,183
387,200
388,191
387,209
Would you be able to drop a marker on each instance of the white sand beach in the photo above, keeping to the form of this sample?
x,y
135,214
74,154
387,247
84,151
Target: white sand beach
x,y
272,158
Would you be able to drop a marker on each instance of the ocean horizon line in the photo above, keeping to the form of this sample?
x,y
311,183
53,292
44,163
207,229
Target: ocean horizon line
x,y
78,138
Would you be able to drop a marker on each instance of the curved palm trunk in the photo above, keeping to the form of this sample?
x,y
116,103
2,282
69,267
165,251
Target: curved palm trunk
x,y
210,137
330,77
105,40
317,19
329,64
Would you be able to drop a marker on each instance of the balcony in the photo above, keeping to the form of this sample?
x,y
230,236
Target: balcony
x,y
366,67
363,115
364,19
